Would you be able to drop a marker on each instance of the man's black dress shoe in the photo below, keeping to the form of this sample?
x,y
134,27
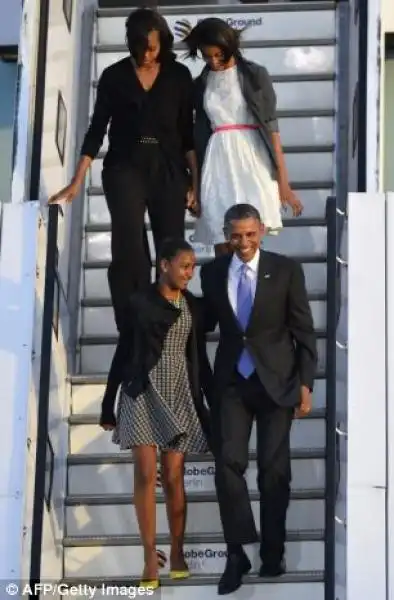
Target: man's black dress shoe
x,y
273,570
237,566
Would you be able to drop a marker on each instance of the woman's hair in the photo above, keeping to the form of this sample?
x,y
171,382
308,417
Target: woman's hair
x,y
214,32
139,24
171,247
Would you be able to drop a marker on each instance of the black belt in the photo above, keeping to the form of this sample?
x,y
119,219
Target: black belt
x,y
144,139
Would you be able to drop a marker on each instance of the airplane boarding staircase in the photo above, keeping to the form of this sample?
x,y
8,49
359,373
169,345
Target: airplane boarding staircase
x,y
298,43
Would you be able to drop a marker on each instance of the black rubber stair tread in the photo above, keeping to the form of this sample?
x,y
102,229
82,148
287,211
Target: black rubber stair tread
x,y
279,43
104,340
122,499
304,259
73,541
295,222
93,419
101,379
290,78
127,458
106,302
290,149
295,185
217,9
197,580
299,113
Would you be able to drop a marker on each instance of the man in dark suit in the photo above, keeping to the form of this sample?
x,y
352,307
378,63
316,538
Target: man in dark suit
x,y
264,370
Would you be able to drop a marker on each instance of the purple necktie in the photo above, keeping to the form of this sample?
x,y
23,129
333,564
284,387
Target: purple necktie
x,y
244,308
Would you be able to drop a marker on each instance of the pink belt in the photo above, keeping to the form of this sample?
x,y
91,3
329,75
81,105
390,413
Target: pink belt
x,y
235,126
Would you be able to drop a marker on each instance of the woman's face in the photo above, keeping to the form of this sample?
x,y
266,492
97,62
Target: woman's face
x,y
214,58
152,51
179,271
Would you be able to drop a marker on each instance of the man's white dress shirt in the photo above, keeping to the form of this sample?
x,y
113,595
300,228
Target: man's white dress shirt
x,y
235,274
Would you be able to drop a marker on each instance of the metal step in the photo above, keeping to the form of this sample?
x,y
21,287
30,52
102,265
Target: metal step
x,y
311,535
110,340
294,113
294,222
289,43
88,419
297,586
295,185
109,513
96,351
128,561
195,497
97,316
127,458
101,379
116,9
292,241
95,280
106,302
300,149
318,61
291,78
306,259
94,473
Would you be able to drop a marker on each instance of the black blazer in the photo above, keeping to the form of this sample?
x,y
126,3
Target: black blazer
x,y
150,316
260,97
280,335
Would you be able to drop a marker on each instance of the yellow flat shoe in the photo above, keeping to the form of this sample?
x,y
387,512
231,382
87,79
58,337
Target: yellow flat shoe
x,y
151,584
180,574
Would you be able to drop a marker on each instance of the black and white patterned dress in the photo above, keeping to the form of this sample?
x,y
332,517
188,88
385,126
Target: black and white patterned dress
x,y
164,415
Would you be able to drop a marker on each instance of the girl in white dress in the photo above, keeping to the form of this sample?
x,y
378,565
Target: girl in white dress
x,y
237,138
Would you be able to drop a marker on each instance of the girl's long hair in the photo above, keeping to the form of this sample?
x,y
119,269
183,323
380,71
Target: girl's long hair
x,y
214,32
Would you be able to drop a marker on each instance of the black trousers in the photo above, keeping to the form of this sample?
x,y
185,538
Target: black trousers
x,y
232,418
150,184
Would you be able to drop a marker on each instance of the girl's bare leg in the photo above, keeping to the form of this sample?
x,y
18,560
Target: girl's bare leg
x,y
172,472
145,506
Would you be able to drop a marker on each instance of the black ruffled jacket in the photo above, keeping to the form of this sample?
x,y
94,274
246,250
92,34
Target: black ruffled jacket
x,y
149,318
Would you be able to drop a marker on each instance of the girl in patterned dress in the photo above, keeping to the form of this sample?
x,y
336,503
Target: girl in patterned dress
x,y
161,405
237,140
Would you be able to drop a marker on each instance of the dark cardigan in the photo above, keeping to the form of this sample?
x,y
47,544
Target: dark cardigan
x,y
260,98
149,318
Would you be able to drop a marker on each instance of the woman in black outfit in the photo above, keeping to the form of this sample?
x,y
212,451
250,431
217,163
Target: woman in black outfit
x,y
146,98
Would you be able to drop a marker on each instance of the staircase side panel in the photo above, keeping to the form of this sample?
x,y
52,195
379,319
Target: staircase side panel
x,y
18,258
366,398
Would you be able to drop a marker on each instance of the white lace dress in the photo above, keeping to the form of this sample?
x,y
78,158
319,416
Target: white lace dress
x,y
237,167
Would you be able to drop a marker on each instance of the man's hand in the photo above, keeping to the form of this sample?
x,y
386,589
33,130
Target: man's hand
x,y
305,405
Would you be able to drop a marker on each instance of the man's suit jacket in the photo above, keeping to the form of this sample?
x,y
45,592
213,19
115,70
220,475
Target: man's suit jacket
x,y
280,334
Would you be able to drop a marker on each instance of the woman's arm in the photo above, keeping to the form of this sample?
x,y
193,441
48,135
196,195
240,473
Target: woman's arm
x,y
92,142
186,123
287,196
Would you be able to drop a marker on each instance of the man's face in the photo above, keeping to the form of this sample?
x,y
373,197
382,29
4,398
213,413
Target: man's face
x,y
244,237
